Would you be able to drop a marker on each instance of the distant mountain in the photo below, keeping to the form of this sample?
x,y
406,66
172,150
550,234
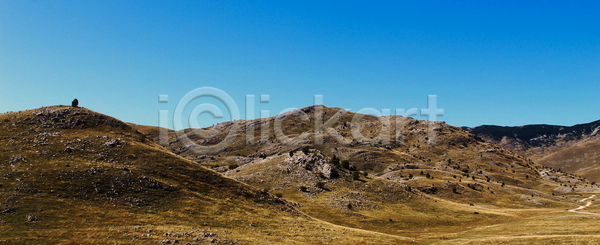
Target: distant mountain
x,y
570,148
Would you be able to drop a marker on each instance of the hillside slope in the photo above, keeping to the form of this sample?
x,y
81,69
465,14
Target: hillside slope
x,y
71,175
416,174
573,149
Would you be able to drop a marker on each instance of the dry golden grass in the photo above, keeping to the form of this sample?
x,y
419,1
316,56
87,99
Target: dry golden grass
x,y
62,166
62,169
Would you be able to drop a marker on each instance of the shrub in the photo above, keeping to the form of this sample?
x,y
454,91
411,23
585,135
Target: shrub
x,y
321,185
142,137
75,103
349,206
305,150
428,175
335,161
355,175
279,195
233,166
291,153
303,188
345,164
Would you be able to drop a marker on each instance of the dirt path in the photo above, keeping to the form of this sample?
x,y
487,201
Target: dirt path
x,y
587,204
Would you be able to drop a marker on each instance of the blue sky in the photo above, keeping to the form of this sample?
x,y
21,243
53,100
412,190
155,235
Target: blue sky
x,y
489,62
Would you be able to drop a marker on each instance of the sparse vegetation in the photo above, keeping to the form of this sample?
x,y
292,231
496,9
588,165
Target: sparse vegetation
x,y
305,150
355,175
335,161
345,164
178,187
320,185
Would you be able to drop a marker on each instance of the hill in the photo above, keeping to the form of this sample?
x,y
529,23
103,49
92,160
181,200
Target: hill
x,y
72,175
341,168
572,149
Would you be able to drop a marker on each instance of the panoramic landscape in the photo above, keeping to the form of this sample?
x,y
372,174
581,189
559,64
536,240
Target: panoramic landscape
x,y
268,122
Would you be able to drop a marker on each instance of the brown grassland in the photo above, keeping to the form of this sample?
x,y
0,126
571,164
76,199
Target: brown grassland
x,y
74,176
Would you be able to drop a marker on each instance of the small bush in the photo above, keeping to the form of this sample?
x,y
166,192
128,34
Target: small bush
x,y
233,166
345,164
141,137
305,150
355,175
321,185
279,195
303,188
335,161
349,206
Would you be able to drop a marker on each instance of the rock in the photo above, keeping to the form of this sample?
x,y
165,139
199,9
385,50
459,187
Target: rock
x,y
209,234
112,143
17,158
314,161
328,171
168,241
428,189
31,218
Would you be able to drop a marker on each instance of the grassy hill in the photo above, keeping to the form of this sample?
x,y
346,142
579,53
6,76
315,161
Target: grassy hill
x,y
572,149
71,175
582,159
412,183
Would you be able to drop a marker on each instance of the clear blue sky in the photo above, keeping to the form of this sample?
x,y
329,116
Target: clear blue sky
x,y
489,62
